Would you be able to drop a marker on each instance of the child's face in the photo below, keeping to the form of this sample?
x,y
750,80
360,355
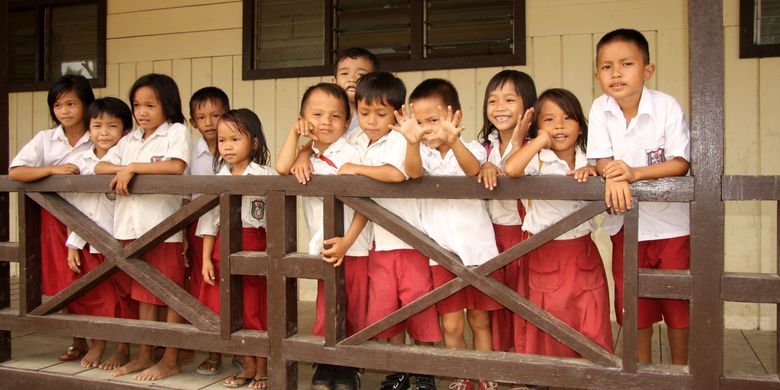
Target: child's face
x,y
428,114
505,107
205,118
375,118
349,71
234,146
147,109
105,131
622,72
562,128
328,115
69,109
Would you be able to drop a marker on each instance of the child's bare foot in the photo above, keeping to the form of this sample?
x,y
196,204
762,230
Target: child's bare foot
x,y
158,371
118,359
259,383
134,365
92,358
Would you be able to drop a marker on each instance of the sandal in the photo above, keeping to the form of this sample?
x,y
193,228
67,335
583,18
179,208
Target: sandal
x,y
237,381
209,367
259,383
72,353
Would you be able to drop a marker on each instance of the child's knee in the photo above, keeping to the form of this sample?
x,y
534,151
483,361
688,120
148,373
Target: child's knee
x,y
452,325
479,319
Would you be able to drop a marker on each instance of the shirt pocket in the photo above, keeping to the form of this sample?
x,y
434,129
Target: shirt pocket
x,y
590,270
544,274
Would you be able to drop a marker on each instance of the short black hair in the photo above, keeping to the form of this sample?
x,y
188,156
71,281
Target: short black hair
x,y
166,91
569,104
332,90
524,88
437,88
626,35
70,82
355,53
113,107
208,94
247,122
381,87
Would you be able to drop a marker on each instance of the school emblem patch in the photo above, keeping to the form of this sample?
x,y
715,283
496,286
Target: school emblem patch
x,y
157,158
258,209
655,156
111,196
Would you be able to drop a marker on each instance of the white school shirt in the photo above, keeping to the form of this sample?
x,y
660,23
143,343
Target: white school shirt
x,y
390,149
98,207
502,212
136,214
354,131
252,206
51,147
461,226
201,159
658,133
540,214
338,153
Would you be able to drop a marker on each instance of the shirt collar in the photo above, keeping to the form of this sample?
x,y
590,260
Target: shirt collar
x,y
253,169
202,148
646,105
162,130
549,156
332,148
59,134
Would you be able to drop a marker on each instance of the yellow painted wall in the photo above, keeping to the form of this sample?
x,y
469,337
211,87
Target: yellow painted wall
x,y
198,43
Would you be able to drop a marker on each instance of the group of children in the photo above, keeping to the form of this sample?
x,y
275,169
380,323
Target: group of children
x,y
361,125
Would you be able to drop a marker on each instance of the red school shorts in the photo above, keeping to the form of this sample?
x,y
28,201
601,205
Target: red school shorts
x,y
508,327
195,257
395,279
101,300
356,290
55,274
468,298
167,258
566,278
255,291
669,253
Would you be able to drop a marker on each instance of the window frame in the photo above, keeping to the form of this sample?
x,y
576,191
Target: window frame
x,y
416,63
747,46
43,85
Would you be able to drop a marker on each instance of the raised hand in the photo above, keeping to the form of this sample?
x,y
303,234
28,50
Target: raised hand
x,y
449,123
407,125
521,128
304,128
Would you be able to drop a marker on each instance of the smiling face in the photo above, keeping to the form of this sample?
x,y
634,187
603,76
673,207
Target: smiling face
x,y
69,110
621,71
563,128
205,118
428,114
328,115
147,109
375,118
349,70
234,146
105,131
505,107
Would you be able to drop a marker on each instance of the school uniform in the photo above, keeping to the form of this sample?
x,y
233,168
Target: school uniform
x,y
658,133
202,164
51,147
565,276
135,215
506,216
110,298
253,238
353,131
461,226
395,269
355,263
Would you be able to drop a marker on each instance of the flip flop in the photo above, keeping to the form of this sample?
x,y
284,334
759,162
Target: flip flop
x,y
209,367
237,381
72,353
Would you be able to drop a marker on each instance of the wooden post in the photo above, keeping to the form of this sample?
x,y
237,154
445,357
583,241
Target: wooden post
x,y
630,286
5,269
231,287
335,297
282,292
29,254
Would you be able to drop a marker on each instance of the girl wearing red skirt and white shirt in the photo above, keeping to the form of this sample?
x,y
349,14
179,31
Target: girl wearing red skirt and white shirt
x,y
242,147
52,152
566,275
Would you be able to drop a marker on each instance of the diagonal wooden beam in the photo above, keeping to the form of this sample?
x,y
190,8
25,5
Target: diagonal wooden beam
x,y
174,223
75,289
510,299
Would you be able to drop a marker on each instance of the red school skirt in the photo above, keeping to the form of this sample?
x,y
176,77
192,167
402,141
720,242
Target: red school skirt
x,y
101,300
55,274
356,290
255,292
167,258
508,328
566,278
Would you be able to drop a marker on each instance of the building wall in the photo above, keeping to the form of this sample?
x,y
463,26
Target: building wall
x,y
198,43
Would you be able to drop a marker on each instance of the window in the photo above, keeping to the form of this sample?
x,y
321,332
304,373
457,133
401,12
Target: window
x,y
759,28
284,38
50,38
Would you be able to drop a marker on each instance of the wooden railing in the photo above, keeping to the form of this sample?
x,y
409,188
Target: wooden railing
x,y
283,265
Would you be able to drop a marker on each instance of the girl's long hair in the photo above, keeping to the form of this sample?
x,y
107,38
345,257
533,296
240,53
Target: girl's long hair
x,y
167,93
570,105
524,87
247,122
76,83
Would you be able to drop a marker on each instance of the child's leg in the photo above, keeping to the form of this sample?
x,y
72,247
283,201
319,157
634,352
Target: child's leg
x,y
92,358
118,359
169,364
644,350
246,375
261,373
678,344
479,321
145,358
452,325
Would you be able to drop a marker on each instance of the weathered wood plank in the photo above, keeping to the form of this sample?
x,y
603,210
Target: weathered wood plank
x,y
740,359
76,289
763,344
9,252
750,287
303,266
745,187
335,297
231,297
630,251
249,263
29,254
752,382
667,284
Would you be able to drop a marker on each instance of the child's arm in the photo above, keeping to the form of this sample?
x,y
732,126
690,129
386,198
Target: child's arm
x,y
466,159
302,168
581,174
618,170
121,181
489,173
617,194
340,245
521,129
515,165
28,174
407,125
289,151
385,173
208,267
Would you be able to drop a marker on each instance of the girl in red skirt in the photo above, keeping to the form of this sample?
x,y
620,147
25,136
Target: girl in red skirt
x,y
242,149
53,152
566,275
